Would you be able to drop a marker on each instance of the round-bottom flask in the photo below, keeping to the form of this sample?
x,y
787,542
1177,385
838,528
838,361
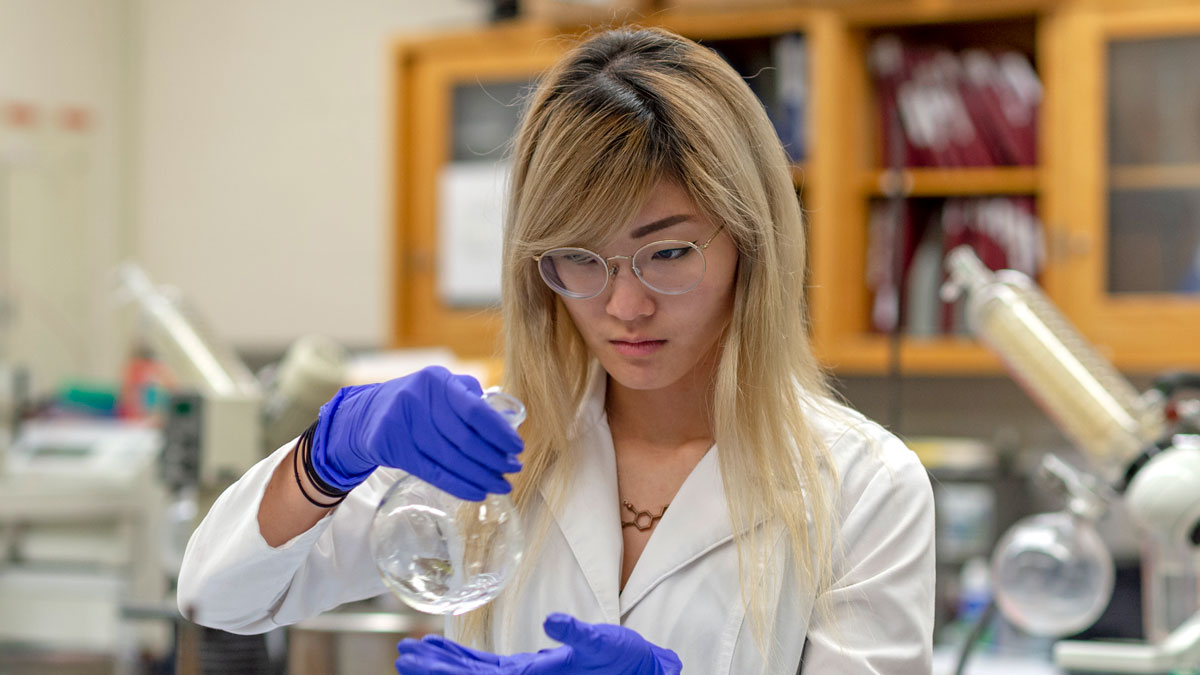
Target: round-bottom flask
x,y
1052,574
441,554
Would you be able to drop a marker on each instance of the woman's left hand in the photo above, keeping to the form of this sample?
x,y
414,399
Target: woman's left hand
x,y
587,648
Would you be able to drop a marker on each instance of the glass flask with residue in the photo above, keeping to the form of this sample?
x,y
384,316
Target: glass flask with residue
x,y
441,554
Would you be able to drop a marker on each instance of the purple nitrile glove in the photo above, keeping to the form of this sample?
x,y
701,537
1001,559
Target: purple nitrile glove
x,y
432,424
588,649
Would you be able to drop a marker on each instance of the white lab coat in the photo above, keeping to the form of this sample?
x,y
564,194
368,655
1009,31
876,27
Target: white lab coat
x,y
683,593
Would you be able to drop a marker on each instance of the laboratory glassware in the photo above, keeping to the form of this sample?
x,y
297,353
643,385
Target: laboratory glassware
x,y
1088,399
1052,574
1048,570
441,554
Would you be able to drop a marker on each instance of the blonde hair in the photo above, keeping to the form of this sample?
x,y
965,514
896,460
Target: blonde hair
x,y
623,110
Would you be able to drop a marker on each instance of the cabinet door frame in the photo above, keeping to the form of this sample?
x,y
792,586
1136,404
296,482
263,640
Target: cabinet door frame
x,y
425,85
1142,332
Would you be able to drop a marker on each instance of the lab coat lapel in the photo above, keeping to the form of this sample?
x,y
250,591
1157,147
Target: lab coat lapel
x,y
589,516
696,522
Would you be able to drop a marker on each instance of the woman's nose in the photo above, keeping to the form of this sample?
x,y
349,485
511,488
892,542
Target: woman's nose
x,y
629,298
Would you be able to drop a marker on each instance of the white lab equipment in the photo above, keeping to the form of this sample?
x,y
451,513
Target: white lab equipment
x,y
441,554
1154,471
80,521
310,373
219,415
217,419
229,397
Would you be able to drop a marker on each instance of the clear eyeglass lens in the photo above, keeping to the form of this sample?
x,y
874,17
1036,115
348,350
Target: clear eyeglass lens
x,y
670,267
573,272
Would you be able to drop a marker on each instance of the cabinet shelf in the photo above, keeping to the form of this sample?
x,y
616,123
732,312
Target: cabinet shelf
x,y
1154,177
954,182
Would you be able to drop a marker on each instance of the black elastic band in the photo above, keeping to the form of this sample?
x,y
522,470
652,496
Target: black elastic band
x,y
310,471
300,484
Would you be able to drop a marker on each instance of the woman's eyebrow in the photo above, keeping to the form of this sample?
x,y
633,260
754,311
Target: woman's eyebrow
x,y
659,224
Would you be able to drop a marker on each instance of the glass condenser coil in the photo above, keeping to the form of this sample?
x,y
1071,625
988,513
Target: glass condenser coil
x,y
1089,400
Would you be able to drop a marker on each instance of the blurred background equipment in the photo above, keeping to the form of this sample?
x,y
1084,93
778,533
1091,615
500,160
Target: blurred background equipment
x,y
217,420
227,406
79,527
1051,573
310,373
103,486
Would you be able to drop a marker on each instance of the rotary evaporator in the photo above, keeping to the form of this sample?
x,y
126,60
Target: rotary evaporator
x,y
1052,574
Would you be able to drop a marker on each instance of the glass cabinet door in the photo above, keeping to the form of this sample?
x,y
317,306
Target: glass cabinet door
x,y
1124,156
471,190
1153,138
457,111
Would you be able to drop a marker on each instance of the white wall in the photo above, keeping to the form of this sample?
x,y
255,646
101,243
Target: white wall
x,y
238,149
263,161
61,216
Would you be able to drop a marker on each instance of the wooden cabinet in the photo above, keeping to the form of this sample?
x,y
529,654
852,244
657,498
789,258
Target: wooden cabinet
x,y
859,164
1127,179
1104,197
428,74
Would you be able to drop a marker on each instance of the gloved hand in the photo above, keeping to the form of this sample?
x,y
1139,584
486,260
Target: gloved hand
x,y
588,648
432,424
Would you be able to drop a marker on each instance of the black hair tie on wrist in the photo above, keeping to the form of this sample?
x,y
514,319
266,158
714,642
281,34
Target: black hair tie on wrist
x,y
310,471
302,453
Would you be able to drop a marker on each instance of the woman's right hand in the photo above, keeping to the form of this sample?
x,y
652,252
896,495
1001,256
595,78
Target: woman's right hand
x,y
432,424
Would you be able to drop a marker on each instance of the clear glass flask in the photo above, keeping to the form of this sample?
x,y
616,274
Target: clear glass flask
x,y
1052,574
441,554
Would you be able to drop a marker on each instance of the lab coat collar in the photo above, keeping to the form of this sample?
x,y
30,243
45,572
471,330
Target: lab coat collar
x,y
589,517
696,522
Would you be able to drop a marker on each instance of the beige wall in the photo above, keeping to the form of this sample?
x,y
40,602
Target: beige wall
x,y
264,159
62,194
239,150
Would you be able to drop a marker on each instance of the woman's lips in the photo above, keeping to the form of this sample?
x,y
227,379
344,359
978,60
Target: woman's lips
x,y
637,348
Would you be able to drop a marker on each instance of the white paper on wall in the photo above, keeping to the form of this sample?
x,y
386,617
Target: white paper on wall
x,y
471,197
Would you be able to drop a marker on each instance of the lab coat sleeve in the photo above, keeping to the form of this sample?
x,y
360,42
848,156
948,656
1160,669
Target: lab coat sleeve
x,y
881,603
233,580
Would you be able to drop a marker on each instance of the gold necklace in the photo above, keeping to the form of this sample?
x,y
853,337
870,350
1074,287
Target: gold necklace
x,y
642,520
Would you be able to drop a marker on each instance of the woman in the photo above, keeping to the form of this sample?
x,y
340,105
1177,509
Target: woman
x,y
692,493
